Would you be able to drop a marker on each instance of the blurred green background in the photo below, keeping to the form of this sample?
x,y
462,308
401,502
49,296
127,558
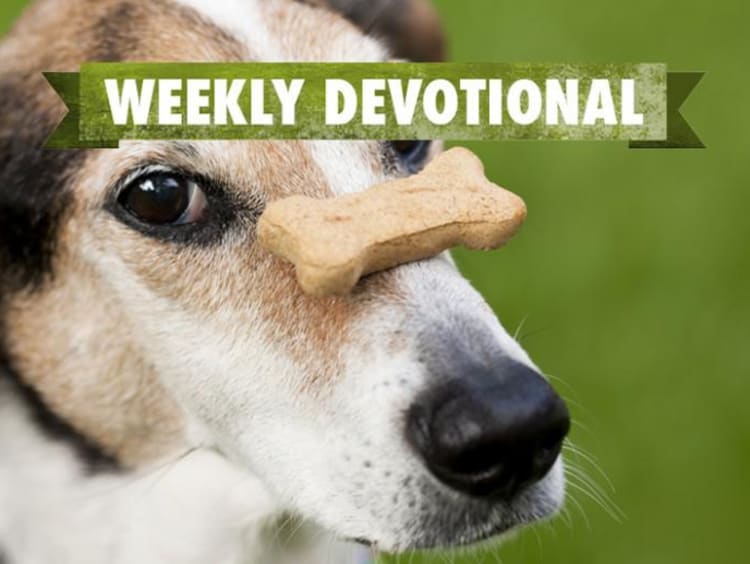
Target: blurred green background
x,y
633,277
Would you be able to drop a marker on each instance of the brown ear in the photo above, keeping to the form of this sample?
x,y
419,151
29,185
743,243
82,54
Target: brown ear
x,y
411,28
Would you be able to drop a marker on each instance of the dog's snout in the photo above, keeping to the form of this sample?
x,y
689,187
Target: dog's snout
x,y
490,432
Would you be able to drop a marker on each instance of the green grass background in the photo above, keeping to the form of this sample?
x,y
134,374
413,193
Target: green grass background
x,y
633,276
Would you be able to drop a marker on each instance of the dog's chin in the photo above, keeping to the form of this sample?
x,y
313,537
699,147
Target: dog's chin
x,y
477,538
467,523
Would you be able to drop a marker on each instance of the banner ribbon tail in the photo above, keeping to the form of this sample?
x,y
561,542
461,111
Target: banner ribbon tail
x,y
679,133
67,133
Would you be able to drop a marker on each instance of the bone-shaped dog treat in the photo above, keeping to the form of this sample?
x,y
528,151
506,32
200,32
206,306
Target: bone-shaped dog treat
x,y
333,242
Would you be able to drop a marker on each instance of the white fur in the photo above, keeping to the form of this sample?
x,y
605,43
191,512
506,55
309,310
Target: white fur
x,y
118,519
344,164
195,509
242,18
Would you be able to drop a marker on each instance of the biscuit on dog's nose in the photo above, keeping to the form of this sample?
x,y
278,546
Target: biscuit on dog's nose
x,y
334,242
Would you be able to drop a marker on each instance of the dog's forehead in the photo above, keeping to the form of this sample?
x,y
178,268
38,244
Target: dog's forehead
x,y
289,30
62,34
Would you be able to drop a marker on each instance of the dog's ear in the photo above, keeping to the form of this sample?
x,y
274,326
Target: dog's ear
x,y
411,28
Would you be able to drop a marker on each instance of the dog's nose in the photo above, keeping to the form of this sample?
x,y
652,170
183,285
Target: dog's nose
x,y
490,433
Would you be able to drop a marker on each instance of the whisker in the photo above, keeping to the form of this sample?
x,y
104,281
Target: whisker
x,y
496,555
595,490
525,336
550,526
578,423
520,326
579,452
565,517
584,477
567,385
538,538
578,506
276,539
290,538
157,473
611,510
576,404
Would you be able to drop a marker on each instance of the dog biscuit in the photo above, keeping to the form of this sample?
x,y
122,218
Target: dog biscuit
x,y
333,242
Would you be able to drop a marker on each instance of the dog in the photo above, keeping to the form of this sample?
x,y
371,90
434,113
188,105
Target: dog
x,y
167,391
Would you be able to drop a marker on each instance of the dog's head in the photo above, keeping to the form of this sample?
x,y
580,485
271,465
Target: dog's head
x,y
139,307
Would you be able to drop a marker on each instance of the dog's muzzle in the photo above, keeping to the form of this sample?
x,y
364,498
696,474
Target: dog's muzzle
x,y
488,427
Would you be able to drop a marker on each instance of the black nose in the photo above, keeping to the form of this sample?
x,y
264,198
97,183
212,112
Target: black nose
x,y
492,432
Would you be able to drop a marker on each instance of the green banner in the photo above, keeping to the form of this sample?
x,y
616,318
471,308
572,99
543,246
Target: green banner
x,y
110,102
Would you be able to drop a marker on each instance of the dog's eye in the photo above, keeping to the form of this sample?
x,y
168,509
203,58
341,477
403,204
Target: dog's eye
x,y
411,154
164,198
